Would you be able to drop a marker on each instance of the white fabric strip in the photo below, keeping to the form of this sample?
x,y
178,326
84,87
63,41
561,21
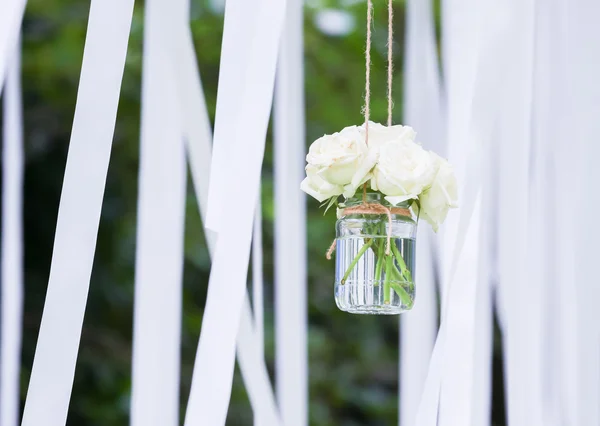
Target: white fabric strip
x,y
11,16
258,278
483,333
254,372
257,290
478,132
241,19
160,228
466,381
459,46
417,331
458,19
213,370
539,283
196,125
583,103
424,111
564,159
546,261
291,367
456,396
79,213
424,102
518,295
428,407
12,244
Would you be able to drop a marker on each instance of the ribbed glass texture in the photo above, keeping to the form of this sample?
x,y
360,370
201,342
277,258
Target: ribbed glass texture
x,y
368,279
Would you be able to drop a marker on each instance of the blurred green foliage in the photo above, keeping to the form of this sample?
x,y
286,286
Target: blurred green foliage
x,y
353,360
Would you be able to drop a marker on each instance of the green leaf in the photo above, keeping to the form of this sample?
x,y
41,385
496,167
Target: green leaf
x,y
332,201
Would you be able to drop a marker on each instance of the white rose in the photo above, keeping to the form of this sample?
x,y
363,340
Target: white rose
x,y
404,170
317,187
380,134
441,196
338,160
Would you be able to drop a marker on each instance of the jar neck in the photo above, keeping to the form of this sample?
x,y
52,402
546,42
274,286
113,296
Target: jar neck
x,y
372,198
358,199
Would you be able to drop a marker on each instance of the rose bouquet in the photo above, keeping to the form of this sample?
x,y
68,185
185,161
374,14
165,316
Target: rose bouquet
x,y
381,182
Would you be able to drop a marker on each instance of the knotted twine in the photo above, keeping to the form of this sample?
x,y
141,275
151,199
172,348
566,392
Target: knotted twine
x,y
372,209
366,207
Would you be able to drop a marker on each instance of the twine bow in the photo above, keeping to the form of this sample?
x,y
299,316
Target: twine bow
x,y
372,209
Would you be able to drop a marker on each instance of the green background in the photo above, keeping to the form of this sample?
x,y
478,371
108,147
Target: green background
x,y
353,360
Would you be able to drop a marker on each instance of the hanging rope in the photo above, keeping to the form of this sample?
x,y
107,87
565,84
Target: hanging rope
x,y
365,207
390,67
367,107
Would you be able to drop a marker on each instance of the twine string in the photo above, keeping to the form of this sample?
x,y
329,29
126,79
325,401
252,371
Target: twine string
x,y
390,72
390,67
367,107
375,209
365,207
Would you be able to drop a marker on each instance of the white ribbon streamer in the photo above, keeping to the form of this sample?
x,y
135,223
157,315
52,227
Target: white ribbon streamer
x,y
478,133
215,357
546,261
79,213
258,278
456,396
161,217
417,332
564,158
241,19
459,44
291,368
581,113
465,386
457,81
12,244
257,288
518,295
254,371
483,344
11,15
424,111
196,125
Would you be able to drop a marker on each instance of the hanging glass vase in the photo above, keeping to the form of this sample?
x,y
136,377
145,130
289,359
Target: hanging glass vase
x,y
375,257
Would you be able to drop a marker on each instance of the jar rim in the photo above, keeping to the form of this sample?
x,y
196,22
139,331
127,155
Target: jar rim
x,y
357,199
372,197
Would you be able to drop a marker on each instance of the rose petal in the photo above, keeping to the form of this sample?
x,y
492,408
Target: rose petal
x,y
364,168
395,200
310,190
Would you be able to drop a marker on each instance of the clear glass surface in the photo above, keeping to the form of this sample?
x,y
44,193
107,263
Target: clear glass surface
x,y
368,279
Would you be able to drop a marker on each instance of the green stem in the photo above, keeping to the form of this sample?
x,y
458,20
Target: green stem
x,y
386,281
379,265
400,291
405,272
402,294
360,253
396,274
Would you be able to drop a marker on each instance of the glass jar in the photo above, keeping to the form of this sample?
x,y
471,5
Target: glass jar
x,y
368,280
